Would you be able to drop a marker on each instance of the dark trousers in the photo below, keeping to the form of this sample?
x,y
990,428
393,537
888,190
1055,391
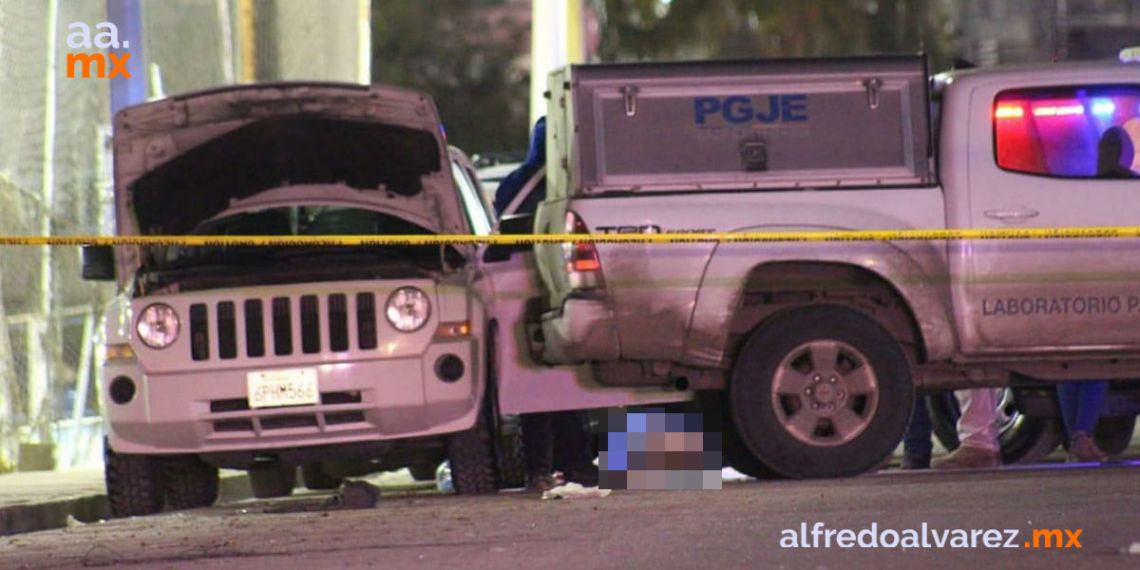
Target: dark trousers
x,y
1081,404
556,435
917,443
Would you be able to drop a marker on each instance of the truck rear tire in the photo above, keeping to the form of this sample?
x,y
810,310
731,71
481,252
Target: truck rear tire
x,y
1113,434
189,482
821,391
272,480
716,414
739,457
134,483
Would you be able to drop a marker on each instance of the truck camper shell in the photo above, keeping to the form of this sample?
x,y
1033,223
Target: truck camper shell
x,y
738,125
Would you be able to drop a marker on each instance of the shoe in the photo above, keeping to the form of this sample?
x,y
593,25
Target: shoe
x,y
966,457
539,483
1083,449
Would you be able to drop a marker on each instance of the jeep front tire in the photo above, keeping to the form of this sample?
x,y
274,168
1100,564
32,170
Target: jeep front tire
x,y
189,482
134,483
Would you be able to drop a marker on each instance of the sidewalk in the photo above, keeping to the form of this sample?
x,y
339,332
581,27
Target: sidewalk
x,y
42,500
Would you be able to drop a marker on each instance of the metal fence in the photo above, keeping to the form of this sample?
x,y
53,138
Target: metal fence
x,y
54,179
55,176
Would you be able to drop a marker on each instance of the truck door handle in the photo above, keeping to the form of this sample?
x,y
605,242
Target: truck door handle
x,y
1012,214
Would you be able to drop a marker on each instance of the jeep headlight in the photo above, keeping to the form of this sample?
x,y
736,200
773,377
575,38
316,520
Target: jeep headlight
x,y
408,309
158,326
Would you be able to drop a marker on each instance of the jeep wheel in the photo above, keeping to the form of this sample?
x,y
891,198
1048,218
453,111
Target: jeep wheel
x,y
472,458
272,480
821,391
317,479
189,482
510,453
1113,434
510,466
134,483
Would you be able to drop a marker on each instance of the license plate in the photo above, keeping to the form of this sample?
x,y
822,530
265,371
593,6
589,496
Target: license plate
x,y
276,388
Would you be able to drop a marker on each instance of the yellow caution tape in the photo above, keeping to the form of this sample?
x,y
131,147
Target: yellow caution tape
x,y
531,239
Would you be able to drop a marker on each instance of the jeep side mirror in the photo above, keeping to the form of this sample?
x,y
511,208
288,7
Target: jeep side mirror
x,y
98,263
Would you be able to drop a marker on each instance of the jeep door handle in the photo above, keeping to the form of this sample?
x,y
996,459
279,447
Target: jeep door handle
x,y
1012,213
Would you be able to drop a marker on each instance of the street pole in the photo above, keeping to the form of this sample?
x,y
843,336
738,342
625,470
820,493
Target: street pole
x,y
557,39
127,91
364,39
247,30
225,26
38,329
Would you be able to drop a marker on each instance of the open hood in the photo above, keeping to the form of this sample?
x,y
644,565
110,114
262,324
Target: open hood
x,y
183,160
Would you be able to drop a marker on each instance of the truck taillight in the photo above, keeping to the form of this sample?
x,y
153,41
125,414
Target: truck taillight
x,y
582,262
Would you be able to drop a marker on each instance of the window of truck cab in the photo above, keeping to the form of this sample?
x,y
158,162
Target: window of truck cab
x,y
1084,131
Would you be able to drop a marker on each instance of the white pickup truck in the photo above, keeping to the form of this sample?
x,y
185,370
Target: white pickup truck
x,y
818,348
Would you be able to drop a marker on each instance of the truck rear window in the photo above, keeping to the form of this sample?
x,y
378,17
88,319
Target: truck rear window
x,y
1070,132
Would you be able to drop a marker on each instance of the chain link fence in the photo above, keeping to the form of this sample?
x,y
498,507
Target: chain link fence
x,y
55,178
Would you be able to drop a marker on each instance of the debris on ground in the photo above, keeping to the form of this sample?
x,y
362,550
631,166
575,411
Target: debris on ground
x,y
575,491
355,495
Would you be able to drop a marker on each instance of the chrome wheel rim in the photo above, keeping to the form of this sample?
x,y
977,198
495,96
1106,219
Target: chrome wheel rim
x,y
825,392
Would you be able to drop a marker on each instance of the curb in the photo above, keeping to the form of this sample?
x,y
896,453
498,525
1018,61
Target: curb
x,y
55,514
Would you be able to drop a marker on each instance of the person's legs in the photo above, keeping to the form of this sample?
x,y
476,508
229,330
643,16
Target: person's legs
x,y
1068,395
572,443
978,432
1090,403
917,445
538,451
977,428
1086,401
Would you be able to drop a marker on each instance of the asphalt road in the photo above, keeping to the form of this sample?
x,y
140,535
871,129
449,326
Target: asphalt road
x,y
738,527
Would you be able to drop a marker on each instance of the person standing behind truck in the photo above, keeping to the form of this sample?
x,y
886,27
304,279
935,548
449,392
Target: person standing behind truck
x,y
531,173
977,432
545,434
918,444
1081,406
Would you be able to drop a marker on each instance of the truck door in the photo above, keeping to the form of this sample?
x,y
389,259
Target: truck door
x,y
1048,156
